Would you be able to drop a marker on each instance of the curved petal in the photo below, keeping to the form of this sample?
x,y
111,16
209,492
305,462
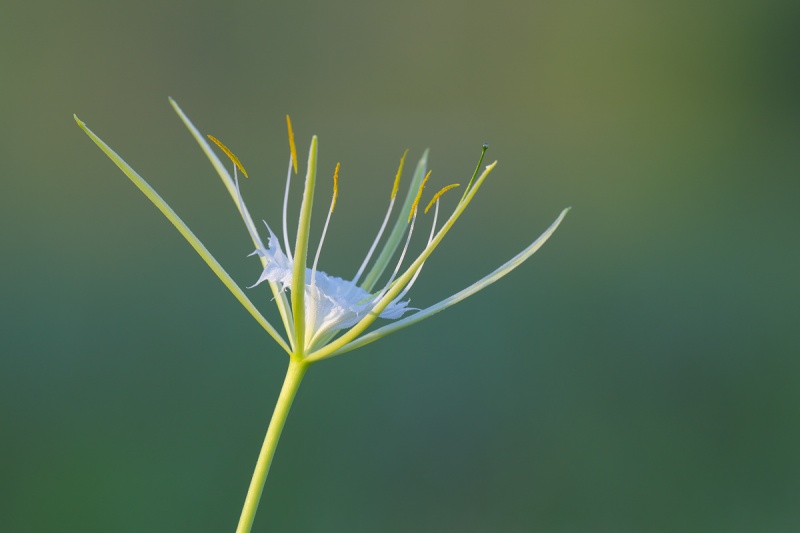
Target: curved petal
x,y
159,202
280,297
404,279
516,261
396,235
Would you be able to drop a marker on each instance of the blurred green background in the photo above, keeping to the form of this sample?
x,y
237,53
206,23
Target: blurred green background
x,y
640,373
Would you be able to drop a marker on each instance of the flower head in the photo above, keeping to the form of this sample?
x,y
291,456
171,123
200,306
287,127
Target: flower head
x,y
325,315
331,304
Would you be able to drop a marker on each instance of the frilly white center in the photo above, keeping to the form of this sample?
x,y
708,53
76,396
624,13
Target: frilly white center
x,y
331,303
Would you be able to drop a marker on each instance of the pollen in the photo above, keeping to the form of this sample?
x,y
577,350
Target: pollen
x,y
439,194
335,186
419,195
399,173
229,154
292,146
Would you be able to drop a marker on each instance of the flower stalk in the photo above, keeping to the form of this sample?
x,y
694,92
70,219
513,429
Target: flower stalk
x,y
325,316
294,375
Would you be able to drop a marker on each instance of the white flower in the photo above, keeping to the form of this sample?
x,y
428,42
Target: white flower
x,y
331,303
324,315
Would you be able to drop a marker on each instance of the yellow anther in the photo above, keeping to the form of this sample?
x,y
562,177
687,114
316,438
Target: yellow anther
x,y
292,146
229,154
419,195
335,186
399,173
439,194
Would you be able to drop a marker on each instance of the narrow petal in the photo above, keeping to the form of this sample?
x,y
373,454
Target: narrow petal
x,y
184,230
217,164
301,249
404,279
516,261
392,200
280,297
396,236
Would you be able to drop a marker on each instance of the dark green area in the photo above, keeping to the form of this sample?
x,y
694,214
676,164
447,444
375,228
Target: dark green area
x,y
640,373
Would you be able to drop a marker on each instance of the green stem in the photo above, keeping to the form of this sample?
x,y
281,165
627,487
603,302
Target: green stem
x,y
294,375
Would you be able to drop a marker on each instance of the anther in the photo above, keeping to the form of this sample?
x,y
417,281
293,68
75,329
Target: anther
x,y
292,146
335,186
439,194
419,195
229,154
399,173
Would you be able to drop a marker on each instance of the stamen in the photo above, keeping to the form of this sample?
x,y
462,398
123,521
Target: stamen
x,y
229,154
436,196
327,221
435,200
399,173
402,255
285,207
430,238
243,211
410,284
292,146
433,226
383,224
419,195
335,186
292,165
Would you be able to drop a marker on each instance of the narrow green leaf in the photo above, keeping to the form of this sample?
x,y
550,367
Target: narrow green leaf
x,y
184,230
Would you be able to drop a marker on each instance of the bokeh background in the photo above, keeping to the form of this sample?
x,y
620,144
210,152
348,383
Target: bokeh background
x,y
640,373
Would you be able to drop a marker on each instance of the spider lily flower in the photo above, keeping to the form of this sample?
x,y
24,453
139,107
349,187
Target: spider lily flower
x,y
324,315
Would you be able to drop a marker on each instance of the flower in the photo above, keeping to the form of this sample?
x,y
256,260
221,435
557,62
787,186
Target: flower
x,y
331,303
324,315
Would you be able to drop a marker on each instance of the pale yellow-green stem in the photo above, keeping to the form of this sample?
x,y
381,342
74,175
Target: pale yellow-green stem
x,y
294,375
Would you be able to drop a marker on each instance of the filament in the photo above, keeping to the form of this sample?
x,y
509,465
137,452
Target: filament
x,y
285,207
385,221
402,256
327,221
430,238
419,195
230,155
